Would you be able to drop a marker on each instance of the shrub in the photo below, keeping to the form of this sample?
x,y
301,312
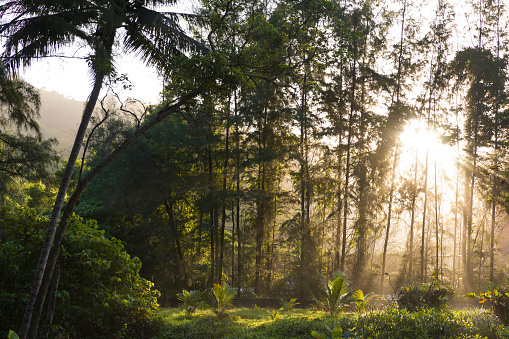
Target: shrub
x,y
362,301
425,323
100,293
223,295
190,302
334,295
288,305
499,301
425,295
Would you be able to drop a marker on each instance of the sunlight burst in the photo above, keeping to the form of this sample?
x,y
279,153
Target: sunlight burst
x,y
417,138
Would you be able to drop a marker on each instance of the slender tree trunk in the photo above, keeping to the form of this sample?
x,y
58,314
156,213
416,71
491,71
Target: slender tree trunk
x,y
436,219
455,253
237,179
32,312
225,175
423,263
338,242
260,223
495,162
73,200
233,243
346,189
211,224
52,300
412,221
389,215
466,216
168,203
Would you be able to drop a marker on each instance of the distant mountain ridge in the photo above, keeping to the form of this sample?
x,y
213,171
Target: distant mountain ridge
x,y
60,119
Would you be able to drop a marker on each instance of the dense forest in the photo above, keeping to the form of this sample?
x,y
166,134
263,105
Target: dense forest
x,y
291,138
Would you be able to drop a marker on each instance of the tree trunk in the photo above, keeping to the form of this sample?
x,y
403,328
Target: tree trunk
x,y
389,215
32,312
73,200
52,299
412,221
347,179
225,175
423,264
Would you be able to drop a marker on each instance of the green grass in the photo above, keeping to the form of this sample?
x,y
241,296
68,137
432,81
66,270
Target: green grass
x,y
391,323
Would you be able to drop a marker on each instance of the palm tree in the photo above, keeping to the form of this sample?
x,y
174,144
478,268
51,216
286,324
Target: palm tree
x,y
40,28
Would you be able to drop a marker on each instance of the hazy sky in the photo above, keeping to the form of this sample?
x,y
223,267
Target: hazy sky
x,y
70,77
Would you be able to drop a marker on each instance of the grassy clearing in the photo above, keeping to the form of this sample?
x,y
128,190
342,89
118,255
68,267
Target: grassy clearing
x,y
391,323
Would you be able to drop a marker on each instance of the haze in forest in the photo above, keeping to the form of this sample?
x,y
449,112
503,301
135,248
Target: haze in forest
x,y
59,118
292,140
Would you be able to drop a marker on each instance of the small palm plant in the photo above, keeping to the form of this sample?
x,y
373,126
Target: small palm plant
x,y
334,295
362,301
190,302
274,314
223,295
288,305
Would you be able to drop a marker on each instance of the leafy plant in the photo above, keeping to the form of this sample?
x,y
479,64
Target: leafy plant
x,y
273,313
334,295
336,332
362,301
288,305
190,302
100,293
425,295
223,295
499,301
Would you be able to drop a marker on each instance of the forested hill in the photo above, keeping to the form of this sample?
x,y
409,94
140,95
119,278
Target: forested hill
x,y
60,117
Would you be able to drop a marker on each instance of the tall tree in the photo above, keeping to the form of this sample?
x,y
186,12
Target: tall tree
x,y
40,29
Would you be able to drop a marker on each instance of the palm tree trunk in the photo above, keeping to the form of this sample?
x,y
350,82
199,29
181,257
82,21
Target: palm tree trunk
x,y
32,312
59,233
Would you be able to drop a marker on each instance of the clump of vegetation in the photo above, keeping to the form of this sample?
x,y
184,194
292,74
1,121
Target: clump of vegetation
x,y
191,302
499,301
386,324
288,305
223,295
362,301
425,323
334,297
100,293
274,314
425,295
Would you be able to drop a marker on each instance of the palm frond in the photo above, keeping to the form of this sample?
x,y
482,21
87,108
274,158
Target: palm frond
x,y
154,36
38,36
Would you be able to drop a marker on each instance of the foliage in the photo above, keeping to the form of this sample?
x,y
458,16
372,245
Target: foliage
x,y
22,156
100,293
499,301
425,295
274,314
335,332
386,324
190,301
334,295
223,295
243,323
362,301
288,305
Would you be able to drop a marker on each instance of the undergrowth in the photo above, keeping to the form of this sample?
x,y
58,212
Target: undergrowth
x,y
391,323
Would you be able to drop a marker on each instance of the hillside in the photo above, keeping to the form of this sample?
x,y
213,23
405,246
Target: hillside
x,y
60,118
